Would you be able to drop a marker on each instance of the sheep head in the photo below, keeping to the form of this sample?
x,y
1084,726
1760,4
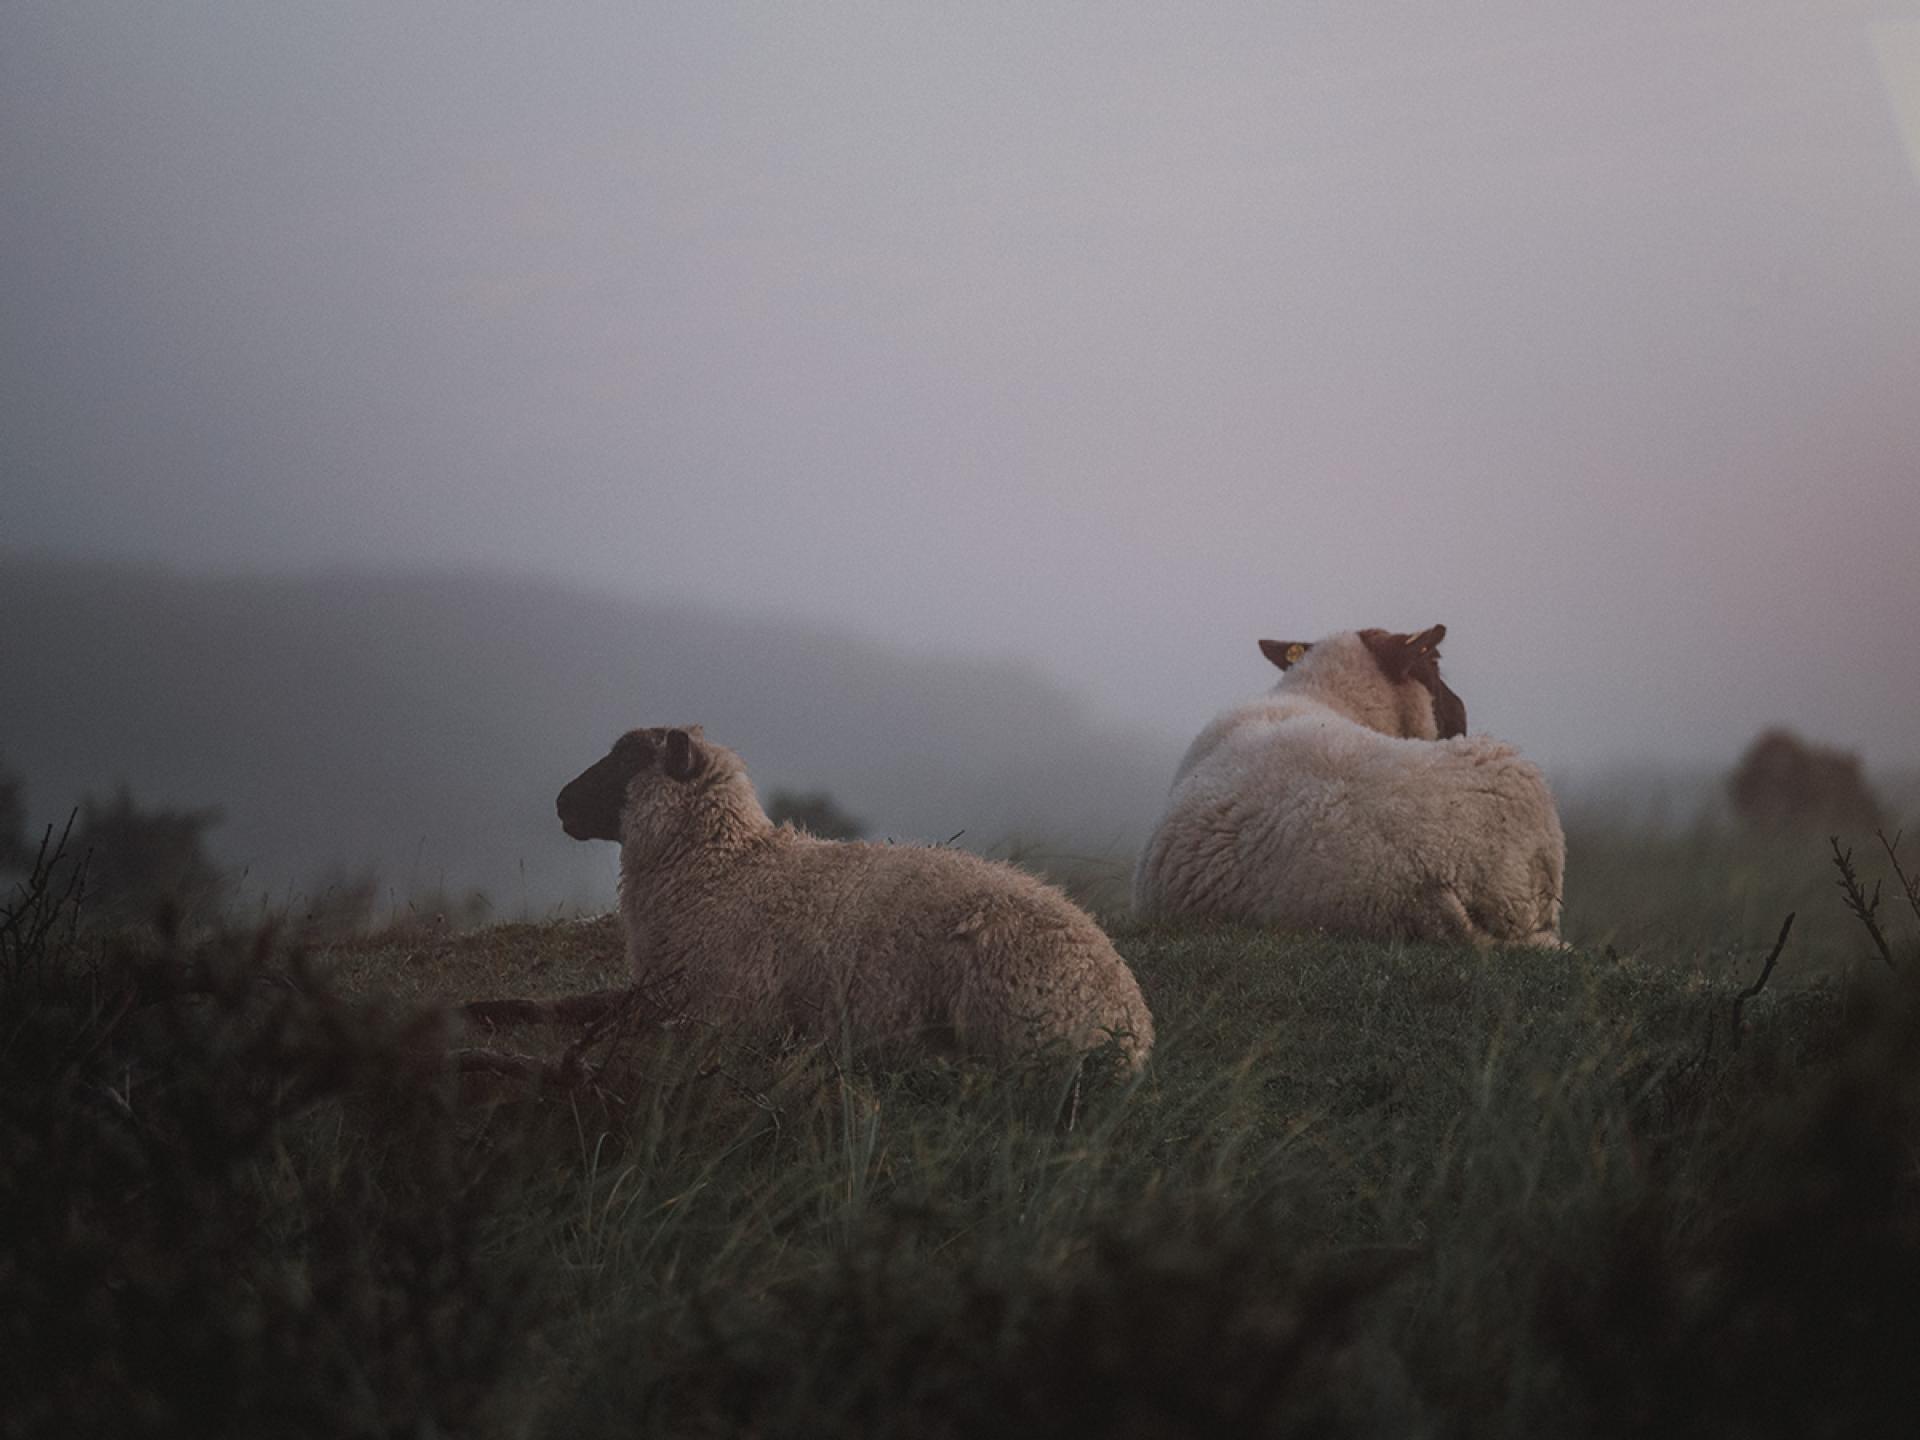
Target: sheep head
x,y
1419,705
591,804
1415,660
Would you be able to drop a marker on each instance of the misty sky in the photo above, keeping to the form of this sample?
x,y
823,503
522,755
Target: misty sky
x,y
1112,337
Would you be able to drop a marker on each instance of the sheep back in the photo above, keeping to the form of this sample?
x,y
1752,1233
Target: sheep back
x,y
897,941
1296,817
1316,824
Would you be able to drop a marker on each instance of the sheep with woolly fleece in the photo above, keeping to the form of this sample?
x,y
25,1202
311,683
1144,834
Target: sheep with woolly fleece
x,y
900,941
1350,799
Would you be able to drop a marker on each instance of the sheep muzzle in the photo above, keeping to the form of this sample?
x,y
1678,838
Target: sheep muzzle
x,y
589,805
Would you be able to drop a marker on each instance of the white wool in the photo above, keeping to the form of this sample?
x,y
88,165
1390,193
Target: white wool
x,y
898,942
1327,805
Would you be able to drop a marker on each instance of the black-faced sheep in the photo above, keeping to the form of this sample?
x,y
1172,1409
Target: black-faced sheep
x,y
1351,800
899,942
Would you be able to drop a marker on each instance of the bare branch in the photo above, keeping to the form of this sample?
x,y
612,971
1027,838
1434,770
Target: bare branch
x,y
1766,974
34,908
1910,884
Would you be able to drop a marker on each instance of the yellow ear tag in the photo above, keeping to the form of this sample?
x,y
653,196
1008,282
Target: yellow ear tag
x,y
1294,652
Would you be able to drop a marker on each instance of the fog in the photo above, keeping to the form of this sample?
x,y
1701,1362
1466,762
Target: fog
x,y
419,726
1097,340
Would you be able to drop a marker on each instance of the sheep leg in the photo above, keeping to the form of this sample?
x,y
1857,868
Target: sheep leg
x,y
587,1009
1453,922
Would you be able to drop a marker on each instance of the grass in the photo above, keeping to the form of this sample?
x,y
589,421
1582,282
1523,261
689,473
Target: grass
x,y
1705,896
1362,1190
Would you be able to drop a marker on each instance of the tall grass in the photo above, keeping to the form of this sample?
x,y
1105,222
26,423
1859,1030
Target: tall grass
x,y
1704,895
1361,1190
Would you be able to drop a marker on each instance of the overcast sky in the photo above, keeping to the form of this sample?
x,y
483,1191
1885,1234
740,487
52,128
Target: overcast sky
x,y
1108,336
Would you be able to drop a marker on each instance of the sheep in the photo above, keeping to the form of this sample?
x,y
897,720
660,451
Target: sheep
x,y
900,941
1350,799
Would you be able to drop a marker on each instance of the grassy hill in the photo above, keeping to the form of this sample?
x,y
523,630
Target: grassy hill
x,y
420,724
1361,1190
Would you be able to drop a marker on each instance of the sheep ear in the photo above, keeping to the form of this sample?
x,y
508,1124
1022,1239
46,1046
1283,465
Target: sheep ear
x,y
683,759
1427,642
1394,654
636,746
1284,653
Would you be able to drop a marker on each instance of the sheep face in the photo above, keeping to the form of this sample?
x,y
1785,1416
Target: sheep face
x,y
592,804
1396,689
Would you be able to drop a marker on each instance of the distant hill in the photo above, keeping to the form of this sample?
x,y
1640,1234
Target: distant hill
x,y
422,723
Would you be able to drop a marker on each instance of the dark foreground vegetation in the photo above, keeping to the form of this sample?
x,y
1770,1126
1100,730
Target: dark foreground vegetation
x,y
1362,1190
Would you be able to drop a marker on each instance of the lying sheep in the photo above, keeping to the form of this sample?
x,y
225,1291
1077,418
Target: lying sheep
x,y
1350,799
899,940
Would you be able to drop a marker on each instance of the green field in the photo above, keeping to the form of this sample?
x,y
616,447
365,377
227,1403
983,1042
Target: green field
x,y
1362,1189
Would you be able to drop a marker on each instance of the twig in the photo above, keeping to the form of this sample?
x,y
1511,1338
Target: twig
x,y
1711,1033
35,907
1910,884
1858,901
1766,974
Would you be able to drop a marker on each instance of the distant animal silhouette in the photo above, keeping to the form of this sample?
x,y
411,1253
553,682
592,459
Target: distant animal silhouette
x,y
1783,784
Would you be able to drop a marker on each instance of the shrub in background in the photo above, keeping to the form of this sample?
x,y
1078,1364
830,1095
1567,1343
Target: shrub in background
x,y
141,859
815,812
1784,783
15,852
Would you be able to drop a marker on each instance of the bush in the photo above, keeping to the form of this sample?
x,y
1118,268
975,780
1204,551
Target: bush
x,y
141,862
231,1202
1179,1323
15,852
1770,1292
815,812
